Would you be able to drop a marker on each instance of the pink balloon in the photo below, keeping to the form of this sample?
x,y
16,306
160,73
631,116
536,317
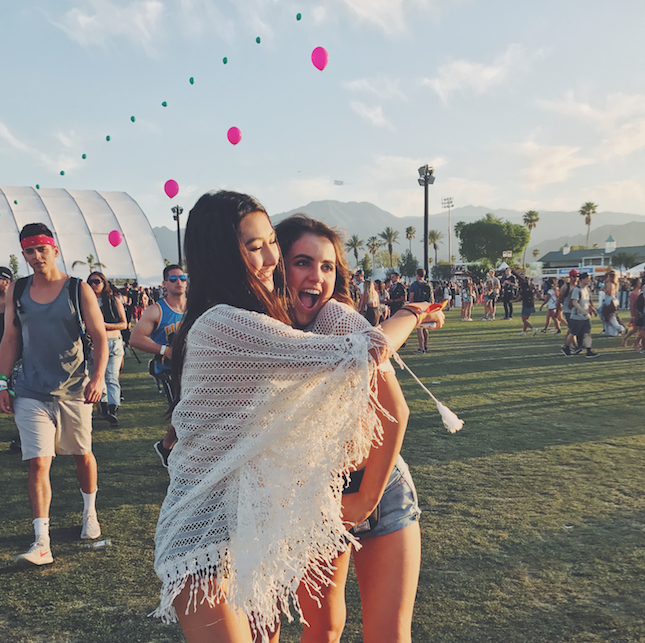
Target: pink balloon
x,y
320,58
234,135
171,188
115,238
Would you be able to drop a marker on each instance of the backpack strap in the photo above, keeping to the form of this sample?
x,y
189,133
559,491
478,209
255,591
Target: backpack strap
x,y
18,290
75,296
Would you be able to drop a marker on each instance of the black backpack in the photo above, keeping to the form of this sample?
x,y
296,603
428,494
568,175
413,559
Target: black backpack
x,y
425,294
75,297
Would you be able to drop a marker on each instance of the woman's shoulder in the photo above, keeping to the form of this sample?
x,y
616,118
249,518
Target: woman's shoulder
x,y
337,318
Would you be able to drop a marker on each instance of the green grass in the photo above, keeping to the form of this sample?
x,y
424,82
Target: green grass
x,y
533,519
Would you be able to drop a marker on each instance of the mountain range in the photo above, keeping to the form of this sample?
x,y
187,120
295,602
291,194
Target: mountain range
x,y
554,229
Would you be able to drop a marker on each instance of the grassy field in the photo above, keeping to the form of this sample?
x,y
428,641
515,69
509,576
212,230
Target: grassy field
x,y
533,515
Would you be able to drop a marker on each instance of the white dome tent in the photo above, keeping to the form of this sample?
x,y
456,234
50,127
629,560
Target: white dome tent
x,y
81,221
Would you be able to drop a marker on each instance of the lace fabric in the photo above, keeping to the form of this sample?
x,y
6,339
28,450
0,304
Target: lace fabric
x,y
270,420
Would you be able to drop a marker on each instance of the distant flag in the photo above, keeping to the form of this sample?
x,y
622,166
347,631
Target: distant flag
x,y
339,182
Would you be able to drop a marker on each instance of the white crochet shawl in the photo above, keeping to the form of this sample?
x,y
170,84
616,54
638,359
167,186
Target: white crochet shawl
x,y
270,419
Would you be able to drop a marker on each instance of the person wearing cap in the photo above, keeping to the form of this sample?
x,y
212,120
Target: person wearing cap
x,y
581,312
53,393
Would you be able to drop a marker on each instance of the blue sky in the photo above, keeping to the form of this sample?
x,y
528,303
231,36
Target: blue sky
x,y
516,104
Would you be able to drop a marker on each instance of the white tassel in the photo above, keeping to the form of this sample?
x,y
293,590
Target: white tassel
x,y
450,420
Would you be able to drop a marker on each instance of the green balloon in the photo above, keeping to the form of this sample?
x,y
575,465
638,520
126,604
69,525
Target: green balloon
x,y
132,118
37,186
298,16
258,40
164,104
191,80
62,172
225,60
108,138
84,156
16,202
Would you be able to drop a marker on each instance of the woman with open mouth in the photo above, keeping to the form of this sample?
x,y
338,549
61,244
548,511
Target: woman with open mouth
x,y
269,421
388,562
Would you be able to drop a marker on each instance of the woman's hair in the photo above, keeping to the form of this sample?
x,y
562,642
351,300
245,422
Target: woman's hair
x,y
369,296
289,230
219,269
107,290
612,277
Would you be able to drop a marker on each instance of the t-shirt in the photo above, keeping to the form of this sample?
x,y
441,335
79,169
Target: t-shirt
x,y
508,286
582,296
552,304
397,291
420,291
528,300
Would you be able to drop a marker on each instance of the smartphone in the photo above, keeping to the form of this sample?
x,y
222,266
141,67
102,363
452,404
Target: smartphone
x,y
432,308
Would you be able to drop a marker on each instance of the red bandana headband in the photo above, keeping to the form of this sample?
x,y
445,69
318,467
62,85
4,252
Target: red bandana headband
x,y
37,240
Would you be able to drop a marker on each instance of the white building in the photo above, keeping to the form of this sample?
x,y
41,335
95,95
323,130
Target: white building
x,y
81,221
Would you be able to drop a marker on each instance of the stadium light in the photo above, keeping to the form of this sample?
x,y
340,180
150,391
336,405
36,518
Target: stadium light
x,y
447,203
426,178
177,210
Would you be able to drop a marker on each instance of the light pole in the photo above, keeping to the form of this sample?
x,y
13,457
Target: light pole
x,y
426,178
177,210
447,203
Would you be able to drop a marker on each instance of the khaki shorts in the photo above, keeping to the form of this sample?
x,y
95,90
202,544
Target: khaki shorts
x,y
62,427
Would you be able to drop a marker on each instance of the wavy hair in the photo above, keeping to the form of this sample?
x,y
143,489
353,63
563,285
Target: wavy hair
x,y
289,230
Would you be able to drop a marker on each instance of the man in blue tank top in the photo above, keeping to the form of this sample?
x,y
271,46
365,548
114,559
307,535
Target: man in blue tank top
x,y
53,393
153,333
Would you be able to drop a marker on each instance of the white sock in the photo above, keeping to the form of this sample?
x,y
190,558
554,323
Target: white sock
x,y
41,527
89,504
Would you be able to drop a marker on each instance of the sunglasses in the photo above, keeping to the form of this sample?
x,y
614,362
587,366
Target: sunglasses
x,y
174,278
94,282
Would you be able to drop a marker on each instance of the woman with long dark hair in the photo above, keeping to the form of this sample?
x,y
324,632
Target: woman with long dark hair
x,y
269,422
115,322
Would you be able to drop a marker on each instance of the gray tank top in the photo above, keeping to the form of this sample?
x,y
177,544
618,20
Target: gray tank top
x,y
53,364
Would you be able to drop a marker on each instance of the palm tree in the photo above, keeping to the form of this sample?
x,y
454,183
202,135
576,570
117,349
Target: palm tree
x,y
530,220
354,244
624,260
434,239
389,236
373,246
586,211
94,265
410,231
536,253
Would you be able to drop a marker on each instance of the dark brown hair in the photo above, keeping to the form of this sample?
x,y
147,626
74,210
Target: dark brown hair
x,y
219,269
289,230
107,290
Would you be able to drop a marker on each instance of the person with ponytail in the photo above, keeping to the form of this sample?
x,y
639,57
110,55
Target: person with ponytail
x,y
270,420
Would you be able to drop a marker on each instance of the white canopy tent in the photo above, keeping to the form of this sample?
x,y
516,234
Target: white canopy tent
x,y
81,221
636,270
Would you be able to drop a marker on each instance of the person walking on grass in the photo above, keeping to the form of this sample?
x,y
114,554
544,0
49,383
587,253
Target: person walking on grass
x,y
420,291
551,300
53,394
581,313
491,289
153,333
467,300
528,304
633,313
564,299
509,289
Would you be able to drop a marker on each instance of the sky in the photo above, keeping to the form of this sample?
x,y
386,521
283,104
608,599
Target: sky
x,y
519,105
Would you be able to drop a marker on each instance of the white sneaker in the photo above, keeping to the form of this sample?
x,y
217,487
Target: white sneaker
x,y
535,330
91,528
39,554
522,333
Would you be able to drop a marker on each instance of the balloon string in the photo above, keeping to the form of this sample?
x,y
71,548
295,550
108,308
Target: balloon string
x,y
402,364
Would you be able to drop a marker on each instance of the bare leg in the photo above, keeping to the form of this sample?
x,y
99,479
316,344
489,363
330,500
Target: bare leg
x,y
387,569
170,438
326,623
206,624
526,322
39,486
86,472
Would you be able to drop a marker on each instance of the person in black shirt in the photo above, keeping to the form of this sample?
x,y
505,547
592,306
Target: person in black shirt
x,y
528,304
509,289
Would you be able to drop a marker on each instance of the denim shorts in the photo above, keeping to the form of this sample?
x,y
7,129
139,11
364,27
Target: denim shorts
x,y
527,311
399,504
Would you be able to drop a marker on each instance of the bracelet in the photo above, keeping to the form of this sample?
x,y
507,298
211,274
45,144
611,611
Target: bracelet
x,y
4,385
164,348
414,311
4,377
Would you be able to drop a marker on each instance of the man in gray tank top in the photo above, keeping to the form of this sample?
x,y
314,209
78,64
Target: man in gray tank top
x,y
53,394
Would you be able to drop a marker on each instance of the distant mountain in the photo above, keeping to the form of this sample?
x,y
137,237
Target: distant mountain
x,y
553,230
167,242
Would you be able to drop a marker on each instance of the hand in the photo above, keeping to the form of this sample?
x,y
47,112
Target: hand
x,y
168,354
436,316
356,508
6,404
94,390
